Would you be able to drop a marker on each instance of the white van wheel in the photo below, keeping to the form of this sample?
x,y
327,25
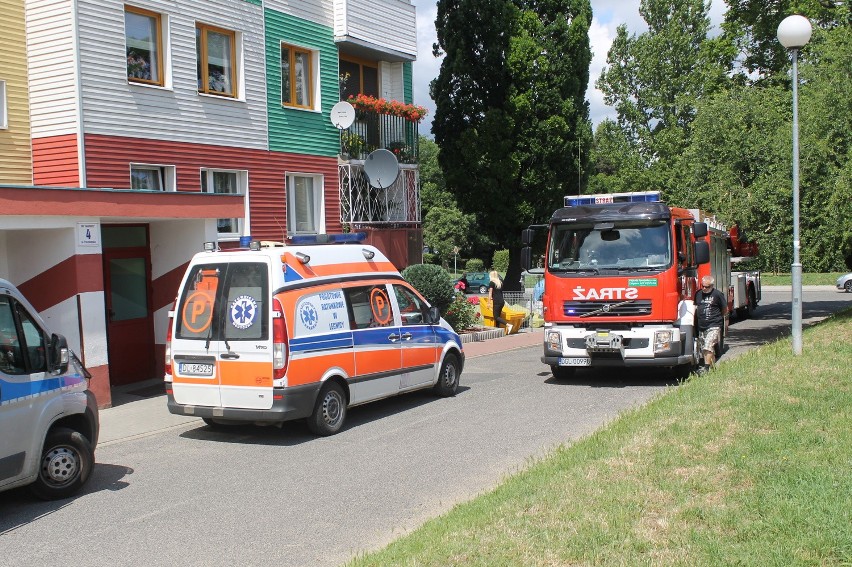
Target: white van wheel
x,y
448,379
329,411
66,462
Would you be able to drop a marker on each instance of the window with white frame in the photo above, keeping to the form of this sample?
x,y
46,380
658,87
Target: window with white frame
x,y
226,182
305,211
4,113
152,177
216,53
144,46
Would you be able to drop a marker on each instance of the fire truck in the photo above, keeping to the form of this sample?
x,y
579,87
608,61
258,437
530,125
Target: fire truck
x,y
620,274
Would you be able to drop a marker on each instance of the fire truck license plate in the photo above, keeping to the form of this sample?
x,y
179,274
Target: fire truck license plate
x,y
194,369
575,361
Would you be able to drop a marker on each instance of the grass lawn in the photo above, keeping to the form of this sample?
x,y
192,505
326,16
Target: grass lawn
x,y
768,278
750,464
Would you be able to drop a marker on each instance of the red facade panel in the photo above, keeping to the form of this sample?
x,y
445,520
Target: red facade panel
x,y
55,161
108,160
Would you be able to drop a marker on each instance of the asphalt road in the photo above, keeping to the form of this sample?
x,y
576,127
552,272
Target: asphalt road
x,y
261,496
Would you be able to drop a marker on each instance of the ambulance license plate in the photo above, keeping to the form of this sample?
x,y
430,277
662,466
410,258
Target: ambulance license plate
x,y
195,369
575,361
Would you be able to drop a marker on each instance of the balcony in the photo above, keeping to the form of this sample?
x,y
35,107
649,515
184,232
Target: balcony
x,y
372,131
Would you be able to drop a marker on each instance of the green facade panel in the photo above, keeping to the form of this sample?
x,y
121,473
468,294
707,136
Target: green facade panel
x,y
408,82
295,130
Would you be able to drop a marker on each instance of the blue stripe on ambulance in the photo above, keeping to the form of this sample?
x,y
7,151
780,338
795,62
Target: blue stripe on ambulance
x,y
10,391
321,342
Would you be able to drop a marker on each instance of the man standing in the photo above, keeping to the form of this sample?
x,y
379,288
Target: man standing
x,y
710,309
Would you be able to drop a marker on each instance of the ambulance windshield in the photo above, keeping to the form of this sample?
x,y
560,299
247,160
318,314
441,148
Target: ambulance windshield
x,y
627,246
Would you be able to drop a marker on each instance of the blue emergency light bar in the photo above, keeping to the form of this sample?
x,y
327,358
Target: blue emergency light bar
x,y
604,198
344,238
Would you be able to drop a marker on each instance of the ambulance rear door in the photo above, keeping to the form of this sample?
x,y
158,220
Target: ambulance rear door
x,y
222,343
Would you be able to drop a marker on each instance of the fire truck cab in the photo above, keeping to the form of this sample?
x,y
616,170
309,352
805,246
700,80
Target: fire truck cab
x,y
620,273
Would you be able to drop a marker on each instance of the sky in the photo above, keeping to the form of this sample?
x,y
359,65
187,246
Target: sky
x,y
607,16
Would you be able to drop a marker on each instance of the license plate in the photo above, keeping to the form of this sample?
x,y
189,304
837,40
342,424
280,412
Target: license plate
x,y
195,369
575,361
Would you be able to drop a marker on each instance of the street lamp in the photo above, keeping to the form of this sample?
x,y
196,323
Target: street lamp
x,y
794,32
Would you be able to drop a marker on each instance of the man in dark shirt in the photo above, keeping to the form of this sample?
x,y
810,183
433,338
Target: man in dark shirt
x,y
710,309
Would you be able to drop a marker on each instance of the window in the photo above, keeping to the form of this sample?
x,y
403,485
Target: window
x,y
228,183
304,204
144,46
152,177
369,307
358,78
215,50
23,350
296,77
412,309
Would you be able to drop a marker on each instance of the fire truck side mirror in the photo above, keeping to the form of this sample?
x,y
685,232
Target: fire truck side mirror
x,y
527,236
699,229
526,257
702,252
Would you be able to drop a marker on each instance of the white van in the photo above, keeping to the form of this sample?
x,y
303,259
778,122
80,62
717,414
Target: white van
x,y
276,333
48,417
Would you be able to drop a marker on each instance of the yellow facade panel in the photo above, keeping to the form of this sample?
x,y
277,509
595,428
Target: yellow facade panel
x,y
15,142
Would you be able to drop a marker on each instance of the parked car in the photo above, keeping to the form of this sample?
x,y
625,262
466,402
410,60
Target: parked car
x,y
845,282
473,282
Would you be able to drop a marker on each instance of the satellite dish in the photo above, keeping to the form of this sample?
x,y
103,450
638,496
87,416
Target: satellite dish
x,y
342,115
381,168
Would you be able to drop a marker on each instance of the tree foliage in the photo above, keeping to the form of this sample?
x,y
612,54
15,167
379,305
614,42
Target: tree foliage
x,y
511,109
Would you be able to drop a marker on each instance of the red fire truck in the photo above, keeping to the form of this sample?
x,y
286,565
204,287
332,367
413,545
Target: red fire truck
x,y
620,274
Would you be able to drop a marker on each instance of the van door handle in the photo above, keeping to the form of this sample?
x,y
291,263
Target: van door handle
x,y
229,355
393,337
406,336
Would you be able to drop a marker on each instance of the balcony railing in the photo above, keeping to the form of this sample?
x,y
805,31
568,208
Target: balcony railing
x,y
364,205
372,131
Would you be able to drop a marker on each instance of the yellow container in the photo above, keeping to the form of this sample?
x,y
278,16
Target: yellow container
x,y
515,317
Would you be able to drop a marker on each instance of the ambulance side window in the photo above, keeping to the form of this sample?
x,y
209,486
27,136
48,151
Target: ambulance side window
x,y
321,312
369,306
412,309
11,359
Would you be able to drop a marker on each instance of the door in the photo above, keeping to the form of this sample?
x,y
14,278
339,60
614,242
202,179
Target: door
x,y
127,284
23,363
222,340
417,338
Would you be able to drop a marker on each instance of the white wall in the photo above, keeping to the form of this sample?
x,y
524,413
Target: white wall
x,y
176,112
391,24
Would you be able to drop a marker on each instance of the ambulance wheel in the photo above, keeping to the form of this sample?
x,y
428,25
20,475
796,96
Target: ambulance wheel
x,y
448,379
67,460
563,372
848,286
329,411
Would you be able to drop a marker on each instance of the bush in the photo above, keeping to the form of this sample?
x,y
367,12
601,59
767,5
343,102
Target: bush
x,y
500,261
474,265
462,314
433,282
429,258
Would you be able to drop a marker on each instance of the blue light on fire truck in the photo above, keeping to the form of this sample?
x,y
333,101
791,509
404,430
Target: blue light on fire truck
x,y
603,198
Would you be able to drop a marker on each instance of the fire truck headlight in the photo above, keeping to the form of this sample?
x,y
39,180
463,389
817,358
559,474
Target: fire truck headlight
x,y
553,341
662,340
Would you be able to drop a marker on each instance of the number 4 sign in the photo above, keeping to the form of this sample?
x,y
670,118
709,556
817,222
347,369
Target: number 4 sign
x,y
88,234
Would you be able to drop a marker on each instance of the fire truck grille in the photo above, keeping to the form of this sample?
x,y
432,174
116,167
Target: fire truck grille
x,y
607,308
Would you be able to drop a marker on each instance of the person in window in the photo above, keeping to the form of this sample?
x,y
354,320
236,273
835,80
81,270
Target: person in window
x,y
710,309
496,301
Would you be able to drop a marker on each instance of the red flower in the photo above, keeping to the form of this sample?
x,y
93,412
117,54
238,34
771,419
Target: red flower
x,y
410,112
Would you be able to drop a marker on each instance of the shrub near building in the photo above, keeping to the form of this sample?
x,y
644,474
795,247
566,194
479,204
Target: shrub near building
x,y
433,282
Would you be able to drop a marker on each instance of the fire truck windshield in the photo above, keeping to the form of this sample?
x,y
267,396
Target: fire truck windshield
x,y
629,246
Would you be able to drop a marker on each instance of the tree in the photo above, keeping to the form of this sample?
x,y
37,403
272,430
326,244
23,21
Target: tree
x,y
655,79
752,26
511,110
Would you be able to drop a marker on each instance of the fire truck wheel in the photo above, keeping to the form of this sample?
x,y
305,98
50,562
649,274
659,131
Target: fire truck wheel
x,y
448,379
329,411
563,372
752,301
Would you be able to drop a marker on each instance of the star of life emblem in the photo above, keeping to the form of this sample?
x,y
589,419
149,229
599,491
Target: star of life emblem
x,y
243,312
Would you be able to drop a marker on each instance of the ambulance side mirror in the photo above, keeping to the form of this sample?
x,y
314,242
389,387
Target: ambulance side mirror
x,y
58,354
434,316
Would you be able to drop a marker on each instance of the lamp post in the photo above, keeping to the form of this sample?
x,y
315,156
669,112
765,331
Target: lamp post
x,y
794,32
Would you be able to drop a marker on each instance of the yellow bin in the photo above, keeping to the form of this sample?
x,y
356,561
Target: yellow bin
x,y
513,316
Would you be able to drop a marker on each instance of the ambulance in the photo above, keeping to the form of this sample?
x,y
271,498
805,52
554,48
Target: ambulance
x,y
306,329
48,416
